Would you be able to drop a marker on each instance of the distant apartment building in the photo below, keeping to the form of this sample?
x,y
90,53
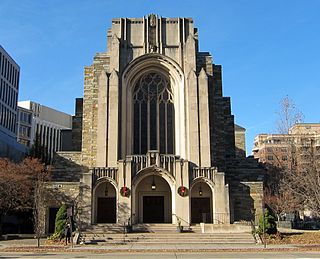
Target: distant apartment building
x,y
39,127
9,88
300,146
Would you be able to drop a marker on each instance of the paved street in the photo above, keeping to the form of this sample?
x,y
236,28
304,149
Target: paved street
x,y
164,255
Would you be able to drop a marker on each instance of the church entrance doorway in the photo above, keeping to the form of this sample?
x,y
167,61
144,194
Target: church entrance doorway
x,y
153,209
152,200
105,203
200,210
201,203
106,210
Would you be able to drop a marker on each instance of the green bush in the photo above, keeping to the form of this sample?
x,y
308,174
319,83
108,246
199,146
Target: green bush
x,y
269,223
60,223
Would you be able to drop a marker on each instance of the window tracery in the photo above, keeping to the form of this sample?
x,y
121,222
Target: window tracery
x,y
153,114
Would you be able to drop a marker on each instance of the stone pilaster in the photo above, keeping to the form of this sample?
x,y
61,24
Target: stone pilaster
x,y
221,200
86,203
124,203
88,104
190,54
113,119
181,203
102,120
205,159
192,118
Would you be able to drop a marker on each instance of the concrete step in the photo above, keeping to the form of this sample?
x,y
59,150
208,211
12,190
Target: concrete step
x,y
105,228
169,238
155,228
156,234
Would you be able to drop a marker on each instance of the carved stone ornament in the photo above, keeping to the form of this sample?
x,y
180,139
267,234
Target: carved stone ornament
x,y
153,20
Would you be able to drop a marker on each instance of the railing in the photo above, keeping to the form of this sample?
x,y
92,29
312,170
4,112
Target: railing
x,y
100,172
167,162
153,158
206,172
138,163
221,218
181,221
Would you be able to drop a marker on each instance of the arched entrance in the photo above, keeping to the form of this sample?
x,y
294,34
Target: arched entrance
x,y
153,201
105,202
201,203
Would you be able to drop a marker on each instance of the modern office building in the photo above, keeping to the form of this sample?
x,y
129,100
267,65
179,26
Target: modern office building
x,y
9,89
39,128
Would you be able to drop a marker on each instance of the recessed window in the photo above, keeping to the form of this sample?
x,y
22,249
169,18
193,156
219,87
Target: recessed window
x,y
153,114
269,149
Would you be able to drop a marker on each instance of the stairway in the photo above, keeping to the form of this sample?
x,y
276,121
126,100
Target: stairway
x,y
164,234
104,228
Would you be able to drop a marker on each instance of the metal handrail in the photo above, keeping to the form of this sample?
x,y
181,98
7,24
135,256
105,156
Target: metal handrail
x,y
181,219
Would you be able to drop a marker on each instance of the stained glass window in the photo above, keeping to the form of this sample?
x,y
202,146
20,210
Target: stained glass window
x,y
153,114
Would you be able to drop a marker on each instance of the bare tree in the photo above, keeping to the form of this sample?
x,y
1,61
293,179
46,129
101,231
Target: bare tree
x,y
279,197
288,115
303,179
282,202
293,184
39,175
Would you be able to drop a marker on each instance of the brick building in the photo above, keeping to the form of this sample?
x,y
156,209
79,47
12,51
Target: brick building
x,y
294,148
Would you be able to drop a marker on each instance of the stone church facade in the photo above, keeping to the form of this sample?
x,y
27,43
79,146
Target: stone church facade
x,y
155,140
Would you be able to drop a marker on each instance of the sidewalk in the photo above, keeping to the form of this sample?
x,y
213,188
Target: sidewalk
x,y
31,245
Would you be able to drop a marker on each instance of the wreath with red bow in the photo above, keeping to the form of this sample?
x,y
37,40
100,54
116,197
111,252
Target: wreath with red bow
x,y
183,191
125,191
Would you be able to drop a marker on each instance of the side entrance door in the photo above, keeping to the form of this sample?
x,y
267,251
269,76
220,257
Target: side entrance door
x,y
200,210
106,210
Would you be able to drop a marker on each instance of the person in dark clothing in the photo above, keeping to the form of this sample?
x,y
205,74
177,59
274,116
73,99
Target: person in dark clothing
x,y
67,233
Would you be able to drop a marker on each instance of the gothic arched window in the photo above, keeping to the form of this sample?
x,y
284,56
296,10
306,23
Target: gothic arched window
x,y
153,115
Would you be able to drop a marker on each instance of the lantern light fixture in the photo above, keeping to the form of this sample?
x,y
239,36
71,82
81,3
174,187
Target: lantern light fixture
x,y
153,185
200,191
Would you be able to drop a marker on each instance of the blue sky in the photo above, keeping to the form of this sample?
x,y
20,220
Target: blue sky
x,y
268,49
